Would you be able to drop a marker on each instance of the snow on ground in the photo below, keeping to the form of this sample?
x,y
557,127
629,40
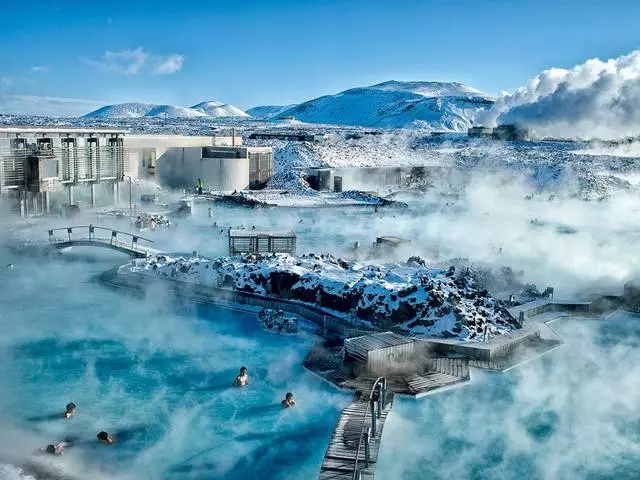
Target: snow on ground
x,y
409,296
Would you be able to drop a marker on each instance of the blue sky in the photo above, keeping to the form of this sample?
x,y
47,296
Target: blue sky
x,y
277,52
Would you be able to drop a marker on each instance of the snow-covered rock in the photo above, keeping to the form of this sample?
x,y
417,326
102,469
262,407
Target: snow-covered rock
x,y
393,104
408,296
219,109
278,321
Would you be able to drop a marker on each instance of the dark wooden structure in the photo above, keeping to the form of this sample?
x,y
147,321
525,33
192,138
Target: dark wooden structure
x,y
243,241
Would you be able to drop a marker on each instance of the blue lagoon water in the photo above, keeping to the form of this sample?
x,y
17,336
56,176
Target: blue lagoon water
x,y
572,414
155,374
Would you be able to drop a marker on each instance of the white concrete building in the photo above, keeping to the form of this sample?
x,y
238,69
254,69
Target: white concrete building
x,y
178,161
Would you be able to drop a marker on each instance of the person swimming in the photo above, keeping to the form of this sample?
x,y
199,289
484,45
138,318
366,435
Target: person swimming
x,y
242,380
70,410
104,437
288,400
54,449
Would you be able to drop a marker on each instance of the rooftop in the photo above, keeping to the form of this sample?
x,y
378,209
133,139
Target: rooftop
x,y
58,129
378,340
239,232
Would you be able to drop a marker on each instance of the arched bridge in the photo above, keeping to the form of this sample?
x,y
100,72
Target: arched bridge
x,y
95,236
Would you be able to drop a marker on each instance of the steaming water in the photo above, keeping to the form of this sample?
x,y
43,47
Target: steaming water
x,y
575,413
155,374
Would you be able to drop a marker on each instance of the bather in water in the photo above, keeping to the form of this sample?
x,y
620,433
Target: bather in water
x,y
288,401
104,437
242,380
70,410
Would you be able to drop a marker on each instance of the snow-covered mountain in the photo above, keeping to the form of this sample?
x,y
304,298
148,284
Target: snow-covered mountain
x,y
393,104
219,109
269,111
138,110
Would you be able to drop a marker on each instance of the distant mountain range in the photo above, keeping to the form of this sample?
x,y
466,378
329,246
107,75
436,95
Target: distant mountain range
x,y
392,104
439,106
138,110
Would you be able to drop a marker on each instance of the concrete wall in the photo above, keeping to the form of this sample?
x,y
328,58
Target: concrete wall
x,y
389,359
181,167
137,143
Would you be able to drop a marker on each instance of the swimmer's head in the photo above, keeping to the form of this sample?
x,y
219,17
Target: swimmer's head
x,y
243,370
289,396
71,407
105,437
51,449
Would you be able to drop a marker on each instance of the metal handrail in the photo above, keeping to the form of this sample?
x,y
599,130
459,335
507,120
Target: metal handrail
x,y
364,424
69,229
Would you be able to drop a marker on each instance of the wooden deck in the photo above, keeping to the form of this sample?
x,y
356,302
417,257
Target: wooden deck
x,y
339,460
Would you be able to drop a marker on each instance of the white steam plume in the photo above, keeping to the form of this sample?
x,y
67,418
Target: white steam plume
x,y
597,99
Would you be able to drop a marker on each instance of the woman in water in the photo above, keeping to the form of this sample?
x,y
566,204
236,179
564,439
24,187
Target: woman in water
x,y
242,380
288,400
104,437
70,410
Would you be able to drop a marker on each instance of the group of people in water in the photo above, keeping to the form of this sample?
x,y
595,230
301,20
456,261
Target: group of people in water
x,y
242,380
58,448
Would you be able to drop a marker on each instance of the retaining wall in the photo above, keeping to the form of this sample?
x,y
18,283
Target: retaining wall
x,y
221,297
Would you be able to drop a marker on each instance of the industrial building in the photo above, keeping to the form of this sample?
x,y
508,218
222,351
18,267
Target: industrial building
x,y
220,168
510,132
288,136
47,168
501,132
222,162
480,131
381,353
258,242
39,165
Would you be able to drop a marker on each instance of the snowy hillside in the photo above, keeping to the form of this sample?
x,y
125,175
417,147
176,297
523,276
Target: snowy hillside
x,y
410,296
219,109
427,105
269,111
174,111
139,110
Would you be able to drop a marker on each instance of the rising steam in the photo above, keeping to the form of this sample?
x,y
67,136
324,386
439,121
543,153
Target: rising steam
x,y
597,99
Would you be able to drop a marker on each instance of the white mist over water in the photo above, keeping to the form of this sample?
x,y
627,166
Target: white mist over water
x,y
157,371
157,375
575,413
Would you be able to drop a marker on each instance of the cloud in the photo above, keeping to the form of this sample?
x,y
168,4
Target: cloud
x,y
137,61
39,69
169,65
50,106
594,99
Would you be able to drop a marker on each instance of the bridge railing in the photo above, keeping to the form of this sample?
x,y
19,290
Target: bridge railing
x,y
377,401
111,238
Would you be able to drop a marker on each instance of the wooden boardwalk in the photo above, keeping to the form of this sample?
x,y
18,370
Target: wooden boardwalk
x,y
340,458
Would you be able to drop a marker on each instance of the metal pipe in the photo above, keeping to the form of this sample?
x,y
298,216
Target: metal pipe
x,y
373,417
367,453
130,196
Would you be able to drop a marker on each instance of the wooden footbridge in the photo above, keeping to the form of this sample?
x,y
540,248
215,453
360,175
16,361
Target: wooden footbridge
x,y
86,236
353,449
